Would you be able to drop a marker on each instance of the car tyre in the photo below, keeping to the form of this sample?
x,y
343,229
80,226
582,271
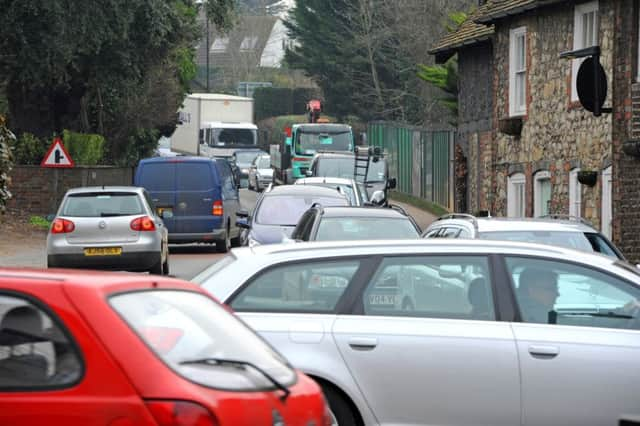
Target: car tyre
x,y
157,268
339,407
224,245
165,265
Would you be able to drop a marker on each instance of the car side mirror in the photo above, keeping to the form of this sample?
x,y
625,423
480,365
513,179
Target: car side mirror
x,y
378,198
391,183
243,223
309,173
167,214
242,213
50,217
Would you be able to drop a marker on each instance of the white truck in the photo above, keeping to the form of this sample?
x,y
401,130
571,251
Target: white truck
x,y
210,124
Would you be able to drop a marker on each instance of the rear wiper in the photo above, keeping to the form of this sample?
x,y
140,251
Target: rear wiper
x,y
223,361
112,214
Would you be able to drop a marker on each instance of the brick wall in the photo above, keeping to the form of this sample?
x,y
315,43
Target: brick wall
x,y
38,190
554,132
626,126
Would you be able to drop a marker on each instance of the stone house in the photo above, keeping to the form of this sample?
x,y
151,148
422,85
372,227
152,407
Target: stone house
x,y
525,159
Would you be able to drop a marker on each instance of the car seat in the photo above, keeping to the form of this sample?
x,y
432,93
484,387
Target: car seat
x,y
20,326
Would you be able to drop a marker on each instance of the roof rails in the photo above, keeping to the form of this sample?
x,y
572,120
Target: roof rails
x,y
398,208
567,217
466,216
269,188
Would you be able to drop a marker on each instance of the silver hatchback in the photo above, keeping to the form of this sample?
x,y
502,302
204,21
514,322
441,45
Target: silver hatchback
x,y
108,228
447,332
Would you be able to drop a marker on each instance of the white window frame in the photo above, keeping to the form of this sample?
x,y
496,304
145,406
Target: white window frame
x,y
539,177
575,194
606,214
578,15
516,195
516,70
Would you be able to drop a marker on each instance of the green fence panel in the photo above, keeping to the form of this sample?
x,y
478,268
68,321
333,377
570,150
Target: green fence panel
x,y
441,166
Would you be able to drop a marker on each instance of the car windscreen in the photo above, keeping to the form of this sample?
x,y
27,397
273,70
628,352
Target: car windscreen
x,y
308,143
364,228
569,239
182,327
601,245
287,209
223,137
344,168
246,156
102,204
264,162
347,189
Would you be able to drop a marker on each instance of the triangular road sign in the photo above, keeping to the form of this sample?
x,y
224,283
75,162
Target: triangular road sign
x,y
57,156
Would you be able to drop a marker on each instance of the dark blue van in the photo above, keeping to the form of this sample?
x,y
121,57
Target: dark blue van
x,y
197,197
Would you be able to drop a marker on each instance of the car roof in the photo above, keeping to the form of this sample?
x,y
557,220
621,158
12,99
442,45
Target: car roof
x,y
304,190
322,127
177,159
345,154
99,280
494,224
89,189
329,180
381,212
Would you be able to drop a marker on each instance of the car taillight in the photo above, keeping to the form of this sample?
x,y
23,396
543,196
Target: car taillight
x,y
144,223
62,226
180,413
217,209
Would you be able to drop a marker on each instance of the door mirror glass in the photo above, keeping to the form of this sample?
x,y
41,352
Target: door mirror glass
x,y
391,183
309,173
242,213
243,223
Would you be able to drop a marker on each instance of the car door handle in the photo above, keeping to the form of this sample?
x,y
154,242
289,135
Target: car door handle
x,y
363,343
544,351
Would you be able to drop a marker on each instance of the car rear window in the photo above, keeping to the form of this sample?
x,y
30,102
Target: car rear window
x,y
286,210
159,176
194,177
364,228
181,327
573,240
102,204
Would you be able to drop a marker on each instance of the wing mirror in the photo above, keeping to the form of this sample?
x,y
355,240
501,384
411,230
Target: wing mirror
x,y
391,183
167,214
309,173
243,223
242,213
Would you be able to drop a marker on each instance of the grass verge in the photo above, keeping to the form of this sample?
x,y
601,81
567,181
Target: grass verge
x,y
39,222
431,207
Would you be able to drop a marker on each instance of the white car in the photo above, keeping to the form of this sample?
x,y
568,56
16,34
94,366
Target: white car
x,y
444,331
260,173
355,191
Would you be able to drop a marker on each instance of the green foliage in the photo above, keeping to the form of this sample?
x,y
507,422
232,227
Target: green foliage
x,y
84,149
39,222
110,67
221,13
29,149
276,101
141,145
6,163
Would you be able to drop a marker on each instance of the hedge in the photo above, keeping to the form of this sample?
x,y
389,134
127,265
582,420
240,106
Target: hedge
x,y
84,149
277,101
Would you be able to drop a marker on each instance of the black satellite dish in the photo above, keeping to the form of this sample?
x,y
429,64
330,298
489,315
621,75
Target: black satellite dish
x,y
591,78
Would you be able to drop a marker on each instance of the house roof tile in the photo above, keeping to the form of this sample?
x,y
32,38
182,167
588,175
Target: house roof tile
x,y
468,33
498,9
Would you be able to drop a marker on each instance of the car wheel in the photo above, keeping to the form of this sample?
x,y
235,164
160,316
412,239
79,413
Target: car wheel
x,y
157,268
340,409
165,265
224,245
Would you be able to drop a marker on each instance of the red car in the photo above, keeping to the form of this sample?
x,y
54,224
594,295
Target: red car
x,y
89,348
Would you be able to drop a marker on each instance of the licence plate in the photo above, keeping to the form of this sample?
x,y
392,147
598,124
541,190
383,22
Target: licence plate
x,y
382,299
103,251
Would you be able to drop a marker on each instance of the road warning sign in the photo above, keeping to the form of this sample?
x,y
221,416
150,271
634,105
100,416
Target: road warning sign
x,y
57,156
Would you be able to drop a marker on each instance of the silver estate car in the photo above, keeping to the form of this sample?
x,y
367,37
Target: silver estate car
x,y
355,191
561,230
447,332
112,227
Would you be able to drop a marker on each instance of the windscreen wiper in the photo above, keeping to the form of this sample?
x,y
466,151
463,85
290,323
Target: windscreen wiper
x,y
608,314
223,361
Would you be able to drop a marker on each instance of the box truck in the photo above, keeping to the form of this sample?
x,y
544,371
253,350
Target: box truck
x,y
210,124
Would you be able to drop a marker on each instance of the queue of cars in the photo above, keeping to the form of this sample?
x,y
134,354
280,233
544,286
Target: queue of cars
x,y
456,328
